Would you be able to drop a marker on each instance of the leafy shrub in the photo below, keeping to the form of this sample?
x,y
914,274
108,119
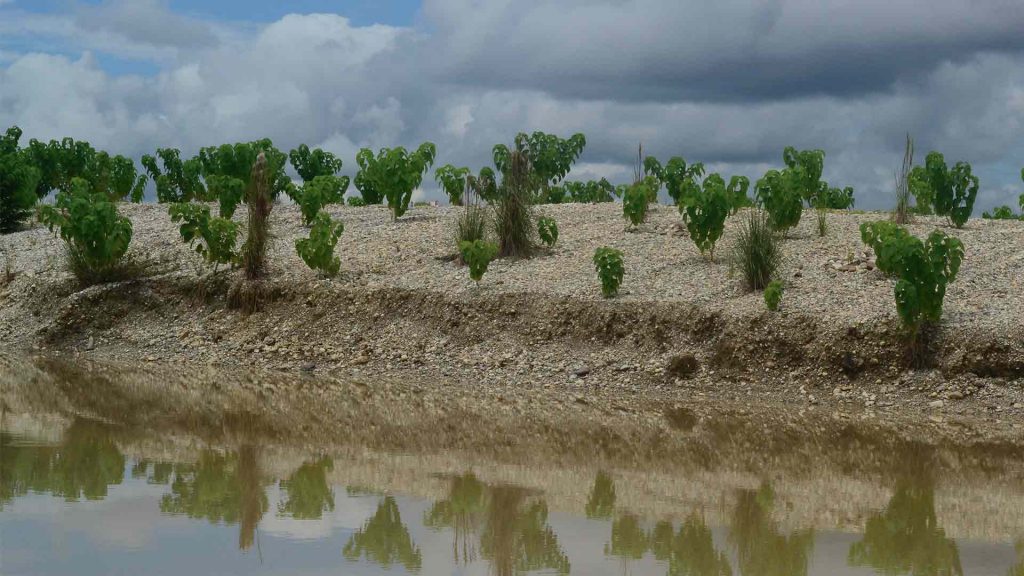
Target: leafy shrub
x,y
97,237
393,174
1000,213
310,164
18,181
590,192
780,198
758,251
317,251
228,171
886,239
924,196
954,189
355,201
635,199
704,212
737,192
838,198
59,163
471,223
177,181
478,254
610,270
676,175
549,158
312,196
773,295
453,181
513,209
547,229
213,238
484,185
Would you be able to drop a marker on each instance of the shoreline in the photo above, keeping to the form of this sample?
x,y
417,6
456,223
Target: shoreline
x,y
682,332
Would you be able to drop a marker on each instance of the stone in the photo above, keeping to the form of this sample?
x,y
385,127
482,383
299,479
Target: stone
x,y
308,367
581,372
682,366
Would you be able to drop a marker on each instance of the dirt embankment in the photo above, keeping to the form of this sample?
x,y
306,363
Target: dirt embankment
x,y
682,331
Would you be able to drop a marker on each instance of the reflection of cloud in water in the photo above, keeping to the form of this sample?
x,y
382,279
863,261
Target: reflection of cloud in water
x,y
349,514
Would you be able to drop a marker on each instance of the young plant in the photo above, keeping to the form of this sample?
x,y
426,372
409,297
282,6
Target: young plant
x,y
478,255
547,229
355,201
212,238
259,200
228,172
393,174
453,181
780,197
309,164
18,181
471,223
591,192
1000,213
886,239
704,211
737,192
677,177
97,237
773,295
312,196
177,181
635,200
550,158
59,163
610,270
317,251
513,208
955,189
758,251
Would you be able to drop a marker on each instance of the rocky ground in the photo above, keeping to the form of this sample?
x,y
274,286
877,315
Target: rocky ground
x,y
683,331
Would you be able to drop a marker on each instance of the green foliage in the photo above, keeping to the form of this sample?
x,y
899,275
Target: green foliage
x,y
317,193
835,198
773,295
453,181
317,251
213,238
59,163
228,169
610,270
704,211
886,239
355,201
804,168
677,177
97,237
177,181
547,229
307,493
1001,213
737,191
590,192
924,196
779,195
393,174
550,157
478,255
18,181
925,269
635,200
484,185
310,164
955,189
758,251
513,208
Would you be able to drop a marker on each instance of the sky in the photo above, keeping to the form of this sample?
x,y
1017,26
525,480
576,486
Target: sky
x,y
728,83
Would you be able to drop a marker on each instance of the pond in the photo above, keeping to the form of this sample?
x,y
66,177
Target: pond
x,y
82,497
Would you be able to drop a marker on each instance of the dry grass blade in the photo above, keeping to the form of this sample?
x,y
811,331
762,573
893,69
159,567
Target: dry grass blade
x,y
901,214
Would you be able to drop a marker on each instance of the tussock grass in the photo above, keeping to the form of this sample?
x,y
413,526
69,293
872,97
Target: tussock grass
x,y
758,250
513,210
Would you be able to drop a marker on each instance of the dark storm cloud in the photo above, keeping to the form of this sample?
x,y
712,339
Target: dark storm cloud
x,y
734,50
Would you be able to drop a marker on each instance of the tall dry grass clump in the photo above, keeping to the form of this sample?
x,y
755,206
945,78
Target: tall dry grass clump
x,y
471,223
757,253
247,293
901,214
513,209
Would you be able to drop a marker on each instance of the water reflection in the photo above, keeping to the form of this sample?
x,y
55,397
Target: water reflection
x,y
308,493
906,538
512,524
385,540
690,551
82,466
761,548
601,502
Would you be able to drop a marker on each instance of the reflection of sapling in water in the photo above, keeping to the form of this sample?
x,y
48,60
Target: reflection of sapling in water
x,y
385,540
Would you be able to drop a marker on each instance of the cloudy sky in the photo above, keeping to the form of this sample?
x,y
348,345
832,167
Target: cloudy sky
x,y
729,83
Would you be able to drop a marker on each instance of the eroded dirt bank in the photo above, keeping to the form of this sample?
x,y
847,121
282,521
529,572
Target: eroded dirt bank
x,y
682,331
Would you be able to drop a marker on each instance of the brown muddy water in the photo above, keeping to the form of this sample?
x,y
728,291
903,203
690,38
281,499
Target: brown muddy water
x,y
81,496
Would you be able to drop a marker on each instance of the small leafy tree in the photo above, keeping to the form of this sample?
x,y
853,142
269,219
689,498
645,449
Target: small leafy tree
x,y
317,251
484,185
921,190
478,255
635,203
591,192
312,196
610,270
925,269
18,180
955,189
550,156
309,164
178,180
212,238
773,295
1000,213
97,237
887,240
453,181
704,212
547,229
780,198
676,175
228,171
59,163
393,174
355,201
737,192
